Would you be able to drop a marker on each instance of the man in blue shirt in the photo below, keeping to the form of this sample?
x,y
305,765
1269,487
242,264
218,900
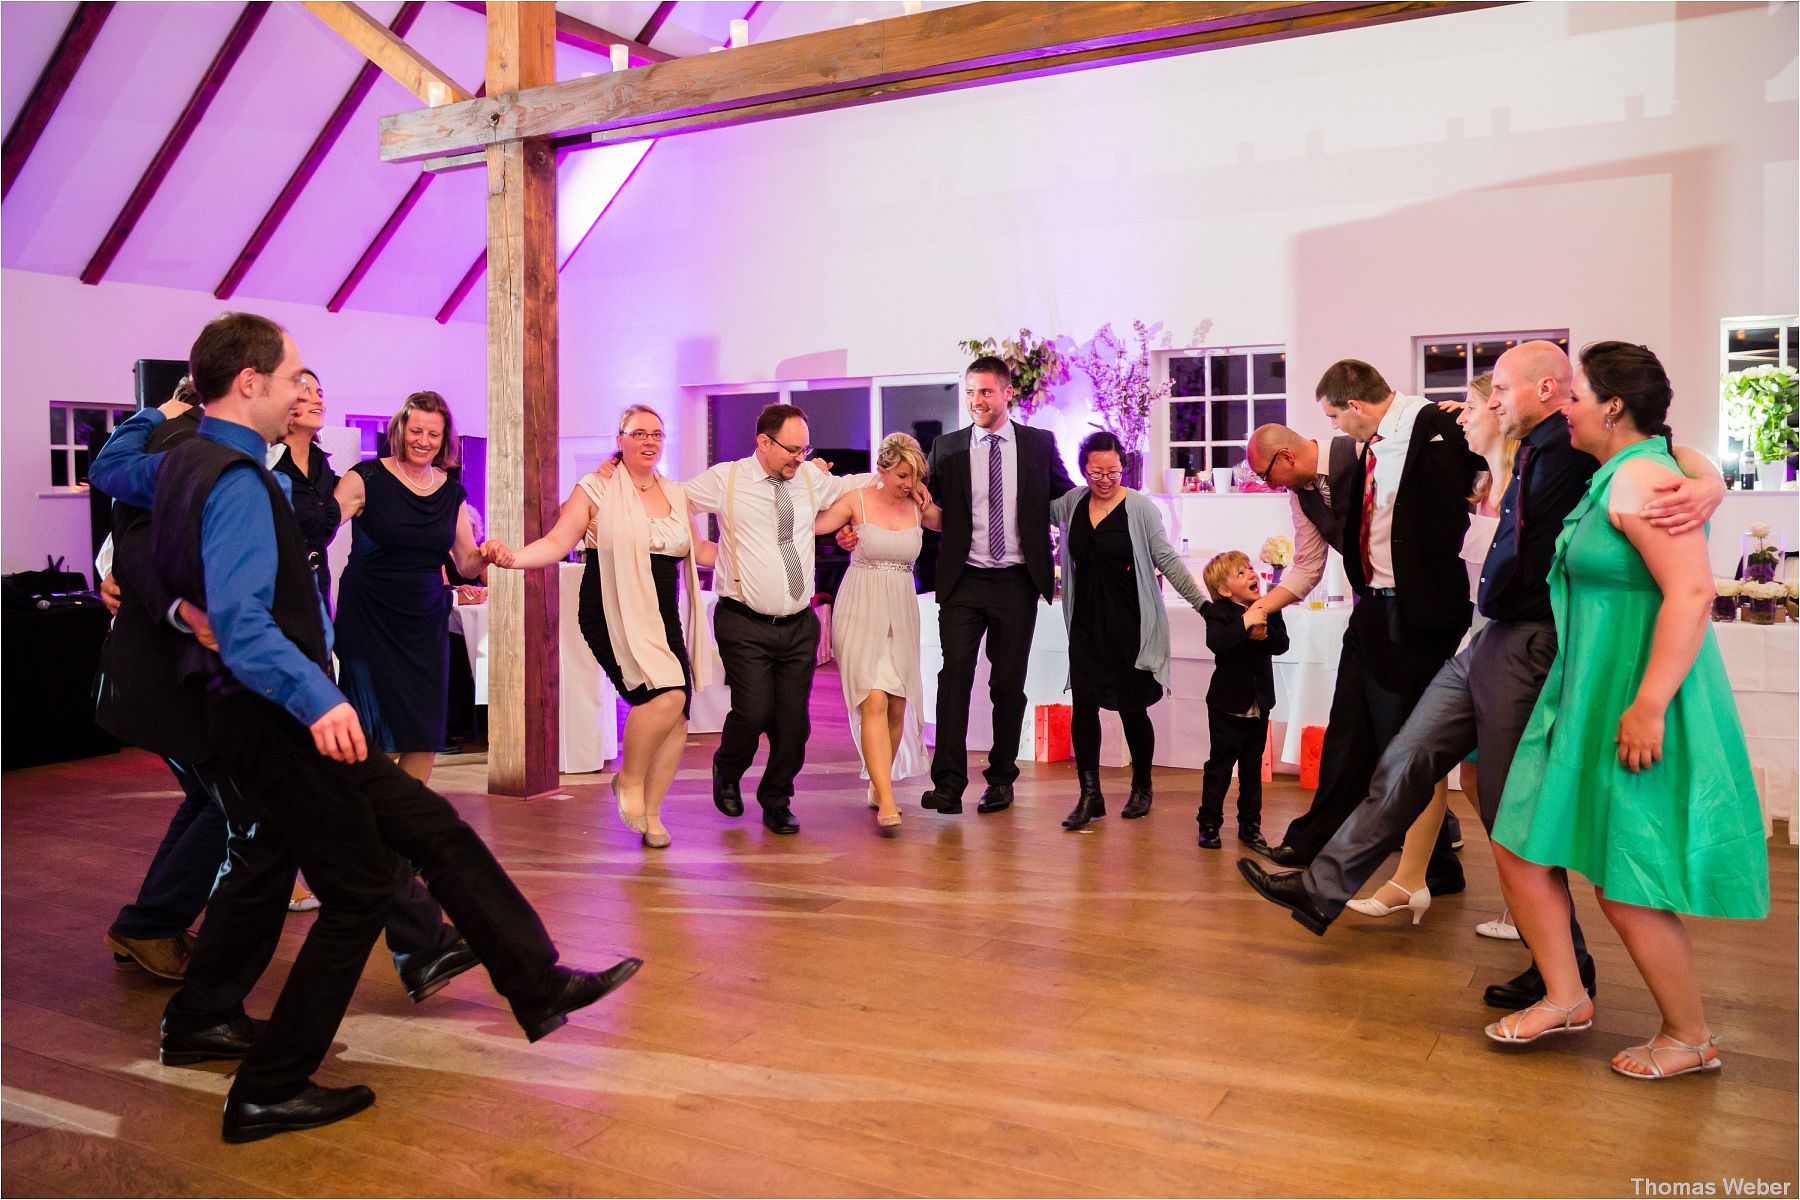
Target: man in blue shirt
x,y
225,539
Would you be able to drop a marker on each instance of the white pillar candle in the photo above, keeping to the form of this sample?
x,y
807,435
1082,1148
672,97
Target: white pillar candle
x,y
740,31
436,94
621,56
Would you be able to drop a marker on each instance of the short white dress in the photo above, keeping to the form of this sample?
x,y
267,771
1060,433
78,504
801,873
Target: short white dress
x,y
875,634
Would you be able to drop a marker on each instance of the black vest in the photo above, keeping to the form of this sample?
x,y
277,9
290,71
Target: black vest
x,y
1332,519
185,481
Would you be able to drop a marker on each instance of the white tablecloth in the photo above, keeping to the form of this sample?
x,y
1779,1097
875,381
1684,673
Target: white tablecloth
x,y
1763,664
589,733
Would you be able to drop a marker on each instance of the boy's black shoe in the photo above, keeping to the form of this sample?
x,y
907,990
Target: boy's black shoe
x,y
1209,837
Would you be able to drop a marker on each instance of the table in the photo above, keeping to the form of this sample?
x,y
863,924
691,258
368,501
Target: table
x,y
1763,664
588,722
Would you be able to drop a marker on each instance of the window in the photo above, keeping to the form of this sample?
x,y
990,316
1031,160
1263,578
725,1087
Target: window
x,y
1443,366
76,432
1217,396
373,431
1746,342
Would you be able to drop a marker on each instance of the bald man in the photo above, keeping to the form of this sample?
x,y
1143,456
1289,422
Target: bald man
x,y
1483,696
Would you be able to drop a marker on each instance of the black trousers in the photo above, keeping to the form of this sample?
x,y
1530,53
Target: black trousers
x,y
1385,667
184,868
1140,738
1000,604
343,824
1236,742
769,666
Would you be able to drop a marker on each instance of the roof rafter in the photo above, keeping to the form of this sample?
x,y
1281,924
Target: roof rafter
x,y
376,42
48,91
654,25
166,154
312,159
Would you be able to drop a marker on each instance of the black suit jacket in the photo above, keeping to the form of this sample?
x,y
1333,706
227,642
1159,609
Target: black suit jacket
x,y
1042,478
1243,670
1431,518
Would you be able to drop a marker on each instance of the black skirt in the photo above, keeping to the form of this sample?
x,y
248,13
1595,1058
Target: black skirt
x,y
1103,629
592,614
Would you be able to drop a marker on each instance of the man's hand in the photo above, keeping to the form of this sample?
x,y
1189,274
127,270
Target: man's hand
x,y
110,594
1451,406
470,594
606,468
1255,616
1684,504
922,496
846,537
338,735
819,463
195,619
1259,633
173,408
496,553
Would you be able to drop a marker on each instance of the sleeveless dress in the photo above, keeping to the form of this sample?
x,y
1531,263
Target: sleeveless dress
x,y
875,634
670,540
1104,631
393,617
1686,835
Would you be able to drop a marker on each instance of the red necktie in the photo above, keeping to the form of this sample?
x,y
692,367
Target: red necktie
x,y
1368,505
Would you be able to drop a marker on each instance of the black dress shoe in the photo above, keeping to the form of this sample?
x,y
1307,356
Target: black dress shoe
x,y
1286,890
936,801
727,797
316,1106
1454,825
1252,839
997,797
1527,987
780,820
1446,887
1090,805
1209,837
224,1040
1284,855
1137,804
570,990
423,975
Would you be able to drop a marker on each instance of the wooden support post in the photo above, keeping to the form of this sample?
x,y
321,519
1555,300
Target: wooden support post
x,y
523,684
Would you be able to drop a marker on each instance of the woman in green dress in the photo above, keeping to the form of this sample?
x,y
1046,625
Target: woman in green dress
x,y
1633,769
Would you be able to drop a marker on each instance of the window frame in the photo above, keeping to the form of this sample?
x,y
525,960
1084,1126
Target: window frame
x,y
1424,344
1164,444
67,447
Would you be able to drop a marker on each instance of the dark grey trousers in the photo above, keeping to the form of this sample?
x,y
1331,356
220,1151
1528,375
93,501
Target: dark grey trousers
x,y
1480,699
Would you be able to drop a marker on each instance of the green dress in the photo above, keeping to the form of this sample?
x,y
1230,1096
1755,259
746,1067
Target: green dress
x,y
1685,835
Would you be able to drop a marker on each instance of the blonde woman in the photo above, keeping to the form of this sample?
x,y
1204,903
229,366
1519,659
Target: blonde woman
x,y
393,631
642,547
875,620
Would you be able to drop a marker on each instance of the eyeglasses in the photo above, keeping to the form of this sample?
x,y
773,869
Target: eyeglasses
x,y
1263,475
1101,476
642,435
798,451
298,378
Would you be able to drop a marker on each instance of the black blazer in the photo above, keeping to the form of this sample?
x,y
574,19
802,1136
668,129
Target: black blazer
x,y
1242,671
1431,518
1042,478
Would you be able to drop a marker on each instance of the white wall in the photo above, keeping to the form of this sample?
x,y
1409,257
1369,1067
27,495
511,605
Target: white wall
x,y
63,340
1624,170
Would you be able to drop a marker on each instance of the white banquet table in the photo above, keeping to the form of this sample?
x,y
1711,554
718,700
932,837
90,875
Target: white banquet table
x,y
589,734
1763,664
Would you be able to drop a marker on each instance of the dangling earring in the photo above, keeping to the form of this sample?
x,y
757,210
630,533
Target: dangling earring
x,y
1611,420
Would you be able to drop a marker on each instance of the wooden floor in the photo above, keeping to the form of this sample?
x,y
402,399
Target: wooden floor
x,y
983,1005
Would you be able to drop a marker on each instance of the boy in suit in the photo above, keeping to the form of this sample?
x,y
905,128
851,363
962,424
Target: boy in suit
x,y
1243,640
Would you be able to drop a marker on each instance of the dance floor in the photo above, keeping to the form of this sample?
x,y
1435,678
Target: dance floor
x,y
982,1005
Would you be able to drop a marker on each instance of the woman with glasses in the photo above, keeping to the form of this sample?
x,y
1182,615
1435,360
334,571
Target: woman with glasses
x,y
642,545
314,483
1113,546
393,618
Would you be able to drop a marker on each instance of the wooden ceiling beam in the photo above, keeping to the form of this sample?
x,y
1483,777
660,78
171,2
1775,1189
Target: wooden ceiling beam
x,y
377,43
573,31
312,160
170,150
1015,37
48,91
654,25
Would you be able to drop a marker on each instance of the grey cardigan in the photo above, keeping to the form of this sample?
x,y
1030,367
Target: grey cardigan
x,y
1148,545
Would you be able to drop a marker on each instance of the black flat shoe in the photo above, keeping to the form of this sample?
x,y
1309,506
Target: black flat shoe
x,y
999,796
225,1040
1287,890
1527,987
780,820
1090,806
1209,837
936,801
570,990
1137,804
425,975
316,1106
728,798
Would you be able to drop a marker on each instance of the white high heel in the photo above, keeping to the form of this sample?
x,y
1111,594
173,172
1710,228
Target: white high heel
x,y
1503,928
1417,902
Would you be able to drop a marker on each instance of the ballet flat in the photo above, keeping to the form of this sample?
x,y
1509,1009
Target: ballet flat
x,y
656,841
637,824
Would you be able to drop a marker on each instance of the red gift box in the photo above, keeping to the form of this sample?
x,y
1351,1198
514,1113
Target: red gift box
x,y
1312,744
1053,733
1268,762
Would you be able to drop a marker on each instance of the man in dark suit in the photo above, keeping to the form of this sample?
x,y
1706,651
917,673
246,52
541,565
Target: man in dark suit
x,y
1400,518
994,481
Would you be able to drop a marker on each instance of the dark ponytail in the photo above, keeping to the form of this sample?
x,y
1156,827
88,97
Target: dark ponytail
x,y
1635,377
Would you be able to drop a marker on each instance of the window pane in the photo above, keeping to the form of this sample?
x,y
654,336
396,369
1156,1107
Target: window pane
x,y
1227,456
59,468
81,466
731,423
837,423
921,409
1187,421
1269,374
1486,355
1230,420
91,426
1755,342
1269,412
1793,346
59,426
1230,374
1445,365
1187,376
1188,458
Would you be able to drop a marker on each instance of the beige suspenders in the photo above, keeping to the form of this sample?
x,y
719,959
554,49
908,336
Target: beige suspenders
x,y
737,574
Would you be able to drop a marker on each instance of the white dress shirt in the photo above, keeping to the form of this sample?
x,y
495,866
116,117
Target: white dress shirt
x,y
1395,431
749,568
979,449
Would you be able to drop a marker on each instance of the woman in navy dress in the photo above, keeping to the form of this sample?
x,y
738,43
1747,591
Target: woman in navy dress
x,y
393,631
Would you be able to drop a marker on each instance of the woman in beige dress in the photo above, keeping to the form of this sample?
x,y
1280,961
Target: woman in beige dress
x,y
642,546
875,619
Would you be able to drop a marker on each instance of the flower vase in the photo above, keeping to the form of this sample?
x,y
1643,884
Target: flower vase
x,y
1725,608
1762,554
1275,570
1132,464
1760,612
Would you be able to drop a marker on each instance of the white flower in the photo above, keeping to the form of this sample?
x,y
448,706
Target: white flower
x,y
1758,590
1727,587
1278,551
1793,589
1759,531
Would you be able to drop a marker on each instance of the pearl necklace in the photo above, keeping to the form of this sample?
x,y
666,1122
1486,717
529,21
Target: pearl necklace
x,y
412,480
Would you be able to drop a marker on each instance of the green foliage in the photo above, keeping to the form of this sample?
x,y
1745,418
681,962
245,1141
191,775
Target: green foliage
x,y
1035,365
1759,408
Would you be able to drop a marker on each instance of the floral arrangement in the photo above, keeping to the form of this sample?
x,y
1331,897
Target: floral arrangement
x,y
1278,551
1725,598
1034,363
1759,404
1764,598
1124,395
1764,555
1727,588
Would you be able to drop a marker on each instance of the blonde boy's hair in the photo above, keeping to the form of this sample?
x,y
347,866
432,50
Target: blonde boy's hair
x,y
1218,569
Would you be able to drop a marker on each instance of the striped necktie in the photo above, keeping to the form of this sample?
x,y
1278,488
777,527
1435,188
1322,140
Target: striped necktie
x,y
996,500
784,534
